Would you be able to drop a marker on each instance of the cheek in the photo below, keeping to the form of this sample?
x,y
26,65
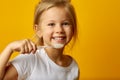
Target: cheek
x,y
47,33
70,33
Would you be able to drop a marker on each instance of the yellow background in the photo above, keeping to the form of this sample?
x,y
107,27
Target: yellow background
x,y
98,49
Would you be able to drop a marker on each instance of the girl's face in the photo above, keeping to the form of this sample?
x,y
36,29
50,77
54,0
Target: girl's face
x,y
56,27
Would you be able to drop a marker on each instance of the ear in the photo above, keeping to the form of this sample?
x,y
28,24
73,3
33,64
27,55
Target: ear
x,y
37,30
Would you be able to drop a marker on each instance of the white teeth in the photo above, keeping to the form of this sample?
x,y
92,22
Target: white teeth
x,y
58,38
57,45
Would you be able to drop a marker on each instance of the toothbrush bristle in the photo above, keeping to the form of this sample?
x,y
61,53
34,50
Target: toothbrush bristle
x,y
58,45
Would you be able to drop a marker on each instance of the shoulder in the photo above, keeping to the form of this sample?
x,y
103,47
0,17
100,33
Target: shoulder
x,y
23,58
73,62
70,60
75,68
27,57
25,63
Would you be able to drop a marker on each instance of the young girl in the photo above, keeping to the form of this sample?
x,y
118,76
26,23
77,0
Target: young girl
x,y
55,26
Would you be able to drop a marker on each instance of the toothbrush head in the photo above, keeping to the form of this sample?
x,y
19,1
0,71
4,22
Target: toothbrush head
x,y
58,46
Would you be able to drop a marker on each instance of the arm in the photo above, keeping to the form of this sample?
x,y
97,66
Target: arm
x,y
4,58
9,72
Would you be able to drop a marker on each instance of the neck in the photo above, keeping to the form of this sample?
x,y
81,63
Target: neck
x,y
57,56
54,54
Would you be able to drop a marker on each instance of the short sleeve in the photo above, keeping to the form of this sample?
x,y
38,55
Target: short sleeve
x,y
23,63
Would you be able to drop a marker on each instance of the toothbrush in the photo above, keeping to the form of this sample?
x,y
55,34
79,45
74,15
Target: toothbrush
x,y
39,47
57,46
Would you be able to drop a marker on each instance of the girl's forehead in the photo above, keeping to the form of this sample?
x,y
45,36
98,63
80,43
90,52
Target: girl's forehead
x,y
55,12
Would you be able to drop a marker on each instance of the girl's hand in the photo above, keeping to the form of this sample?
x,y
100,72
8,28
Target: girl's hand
x,y
23,46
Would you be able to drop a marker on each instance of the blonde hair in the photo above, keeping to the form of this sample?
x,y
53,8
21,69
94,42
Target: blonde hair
x,y
47,4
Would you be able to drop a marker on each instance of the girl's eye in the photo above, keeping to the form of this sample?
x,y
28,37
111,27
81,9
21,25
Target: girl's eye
x,y
51,24
66,24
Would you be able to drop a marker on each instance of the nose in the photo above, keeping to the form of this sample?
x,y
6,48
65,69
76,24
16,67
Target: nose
x,y
59,29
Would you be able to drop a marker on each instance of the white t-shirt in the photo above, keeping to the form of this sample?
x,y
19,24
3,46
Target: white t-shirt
x,y
39,66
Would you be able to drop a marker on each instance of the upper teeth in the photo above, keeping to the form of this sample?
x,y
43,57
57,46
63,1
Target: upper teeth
x,y
58,38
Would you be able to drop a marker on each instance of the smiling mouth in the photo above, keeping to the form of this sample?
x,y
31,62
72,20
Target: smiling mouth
x,y
59,41
59,38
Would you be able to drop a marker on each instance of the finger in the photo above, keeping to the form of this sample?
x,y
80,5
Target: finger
x,y
26,50
29,46
25,45
22,51
34,48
